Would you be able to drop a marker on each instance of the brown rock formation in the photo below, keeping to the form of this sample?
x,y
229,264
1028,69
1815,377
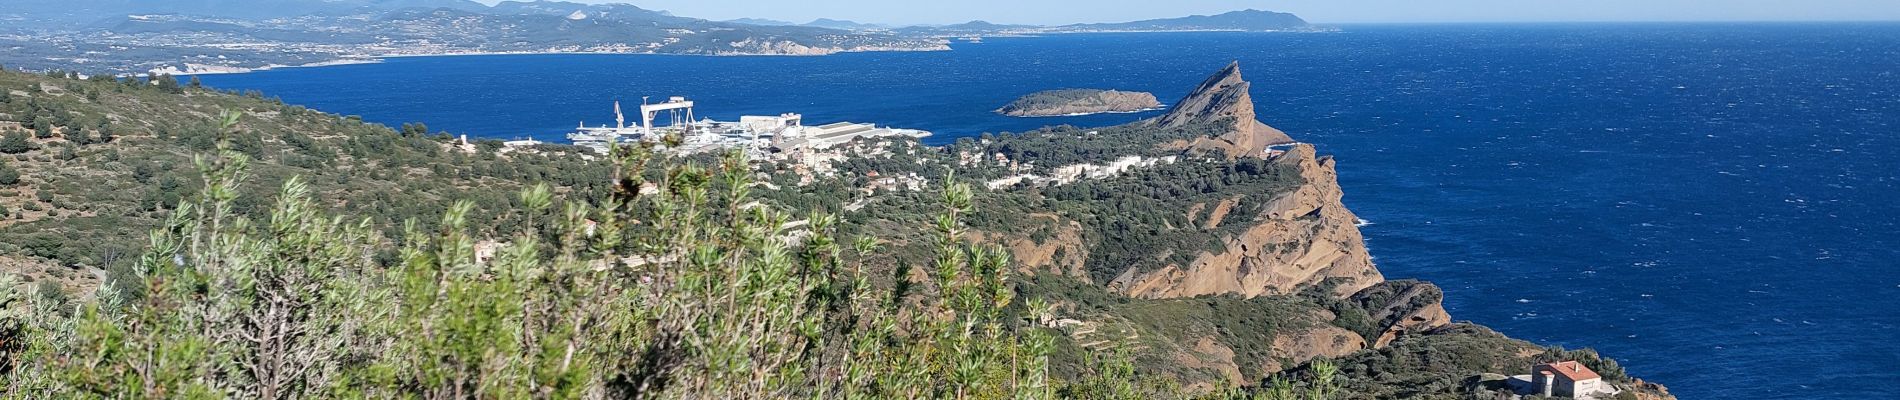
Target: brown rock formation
x,y
1301,238
1404,307
1223,96
1320,341
1063,252
1276,243
1209,353
1650,391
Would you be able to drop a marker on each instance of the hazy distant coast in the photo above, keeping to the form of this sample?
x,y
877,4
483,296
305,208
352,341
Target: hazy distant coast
x,y
200,69
132,38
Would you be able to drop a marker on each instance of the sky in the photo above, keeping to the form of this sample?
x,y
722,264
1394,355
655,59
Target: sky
x,y
1318,11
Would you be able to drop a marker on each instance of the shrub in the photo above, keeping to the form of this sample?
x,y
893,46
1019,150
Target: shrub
x,y
66,153
717,305
14,143
8,175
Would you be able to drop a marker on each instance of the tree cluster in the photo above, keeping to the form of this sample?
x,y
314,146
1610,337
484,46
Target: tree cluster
x,y
679,294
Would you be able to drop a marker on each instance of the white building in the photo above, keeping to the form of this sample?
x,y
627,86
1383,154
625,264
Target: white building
x,y
1567,379
767,123
826,136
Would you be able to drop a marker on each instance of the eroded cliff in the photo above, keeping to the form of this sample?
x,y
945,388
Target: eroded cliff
x,y
1276,242
1233,262
1225,97
1301,238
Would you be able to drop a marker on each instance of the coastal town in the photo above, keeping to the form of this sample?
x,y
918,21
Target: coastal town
x,y
780,137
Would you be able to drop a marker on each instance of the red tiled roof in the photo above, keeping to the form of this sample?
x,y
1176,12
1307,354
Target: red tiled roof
x,y
1571,370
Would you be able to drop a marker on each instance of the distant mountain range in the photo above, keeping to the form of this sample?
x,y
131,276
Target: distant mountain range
x,y
208,36
1244,20
842,24
826,23
57,13
761,22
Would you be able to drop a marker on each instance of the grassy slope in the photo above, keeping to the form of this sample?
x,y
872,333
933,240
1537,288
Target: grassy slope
x,y
94,208
107,195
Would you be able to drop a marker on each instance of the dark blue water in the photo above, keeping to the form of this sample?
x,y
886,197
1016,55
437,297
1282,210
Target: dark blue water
x,y
1716,205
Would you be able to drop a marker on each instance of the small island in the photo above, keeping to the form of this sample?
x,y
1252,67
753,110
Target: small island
x,y
1066,102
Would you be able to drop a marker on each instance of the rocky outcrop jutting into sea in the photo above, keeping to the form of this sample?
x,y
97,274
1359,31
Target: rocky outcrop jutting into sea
x,y
1223,96
1050,103
1303,237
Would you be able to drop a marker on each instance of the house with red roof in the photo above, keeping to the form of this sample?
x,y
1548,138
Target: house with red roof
x,y
1567,379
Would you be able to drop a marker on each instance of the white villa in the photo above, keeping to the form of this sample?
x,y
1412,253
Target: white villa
x,y
1568,379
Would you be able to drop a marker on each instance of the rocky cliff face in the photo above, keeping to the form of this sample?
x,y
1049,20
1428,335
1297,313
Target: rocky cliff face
x,y
1301,238
1063,252
1402,308
1257,304
1223,96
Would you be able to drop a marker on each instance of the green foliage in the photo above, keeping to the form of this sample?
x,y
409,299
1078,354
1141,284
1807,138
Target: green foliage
x,y
1124,208
1057,146
51,293
1045,102
14,143
106,134
1608,368
1448,362
8,175
314,256
144,171
414,129
66,153
167,83
707,299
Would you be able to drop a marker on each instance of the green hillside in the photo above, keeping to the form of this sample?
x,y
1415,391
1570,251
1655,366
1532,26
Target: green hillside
x,y
107,161
162,240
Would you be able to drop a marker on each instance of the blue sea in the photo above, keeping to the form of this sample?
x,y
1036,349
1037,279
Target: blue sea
x,y
1716,205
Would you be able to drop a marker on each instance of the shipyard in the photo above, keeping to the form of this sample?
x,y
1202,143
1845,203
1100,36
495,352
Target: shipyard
x,y
783,136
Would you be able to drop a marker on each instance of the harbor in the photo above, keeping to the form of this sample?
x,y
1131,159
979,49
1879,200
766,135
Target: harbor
x,y
761,136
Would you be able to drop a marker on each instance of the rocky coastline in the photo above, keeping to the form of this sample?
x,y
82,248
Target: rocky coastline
x,y
1071,102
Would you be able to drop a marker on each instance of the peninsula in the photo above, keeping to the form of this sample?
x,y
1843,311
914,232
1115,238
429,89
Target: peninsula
x,y
1174,257
1063,102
